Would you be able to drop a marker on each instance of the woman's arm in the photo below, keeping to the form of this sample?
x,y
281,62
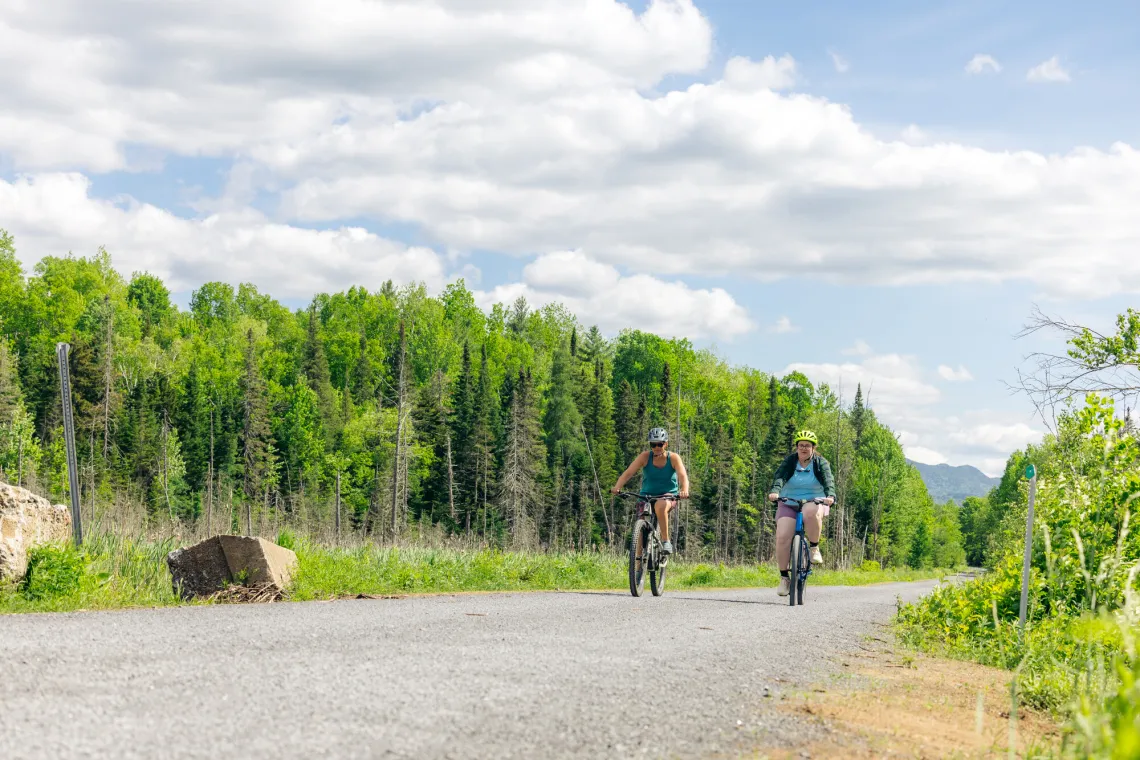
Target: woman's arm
x,y
682,475
637,463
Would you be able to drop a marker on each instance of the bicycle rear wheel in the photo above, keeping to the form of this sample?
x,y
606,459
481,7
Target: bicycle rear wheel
x,y
638,543
794,570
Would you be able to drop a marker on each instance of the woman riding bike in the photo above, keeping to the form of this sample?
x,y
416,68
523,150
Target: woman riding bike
x,y
660,471
803,476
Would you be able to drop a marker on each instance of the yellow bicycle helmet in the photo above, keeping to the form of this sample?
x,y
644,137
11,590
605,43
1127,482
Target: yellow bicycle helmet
x,y
806,435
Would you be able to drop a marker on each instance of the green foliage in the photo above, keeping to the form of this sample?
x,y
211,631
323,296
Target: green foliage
x,y
1078,655
113,572
286,539
243,407
54,572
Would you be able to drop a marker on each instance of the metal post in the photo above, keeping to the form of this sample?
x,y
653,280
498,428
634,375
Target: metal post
x,y
61,352
1031,475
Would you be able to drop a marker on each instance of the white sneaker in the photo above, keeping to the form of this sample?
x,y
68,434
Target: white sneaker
x,y
816,557
785,586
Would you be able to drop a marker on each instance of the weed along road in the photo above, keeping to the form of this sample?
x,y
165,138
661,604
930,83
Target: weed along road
x,y
570,674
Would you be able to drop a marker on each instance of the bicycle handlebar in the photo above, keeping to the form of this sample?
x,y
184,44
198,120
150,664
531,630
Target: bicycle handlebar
x,y
799,502
651,497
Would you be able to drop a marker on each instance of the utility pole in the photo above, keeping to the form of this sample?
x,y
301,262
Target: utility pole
x,y
61,352
1031,476
399,429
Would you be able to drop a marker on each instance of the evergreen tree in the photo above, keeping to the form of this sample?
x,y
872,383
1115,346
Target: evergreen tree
x,y
626,422
363,373
599,423
858,416
562,421
774,448
520,489
462,437
593,346
11,394
315,368
483,434
259,460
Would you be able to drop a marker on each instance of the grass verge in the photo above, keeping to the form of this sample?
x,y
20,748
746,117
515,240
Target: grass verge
x,y
111,572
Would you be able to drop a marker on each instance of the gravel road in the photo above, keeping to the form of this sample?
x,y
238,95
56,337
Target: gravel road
x,y
588,674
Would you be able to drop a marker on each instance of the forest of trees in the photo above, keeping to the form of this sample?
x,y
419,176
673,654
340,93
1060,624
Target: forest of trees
x,y
391,413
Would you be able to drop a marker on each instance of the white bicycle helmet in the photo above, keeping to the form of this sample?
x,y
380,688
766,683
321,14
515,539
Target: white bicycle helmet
x,y
658,435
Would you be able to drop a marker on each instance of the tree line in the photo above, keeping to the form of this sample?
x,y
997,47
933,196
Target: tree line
x,y
390,413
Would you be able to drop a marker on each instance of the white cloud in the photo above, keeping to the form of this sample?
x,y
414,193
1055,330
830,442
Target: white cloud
x,y
954,375
981,62
914,135
839,62
859,349
783,325
995,436
895,388
535,126
54,214
893,384
600,295
925,455
768,74
1048,71
82,80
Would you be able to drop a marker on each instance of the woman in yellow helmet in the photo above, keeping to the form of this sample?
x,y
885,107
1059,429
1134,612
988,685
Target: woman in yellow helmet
x,y
804,475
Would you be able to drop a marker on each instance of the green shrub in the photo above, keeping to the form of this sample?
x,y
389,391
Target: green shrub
x,y
1077,655
287,539
54,572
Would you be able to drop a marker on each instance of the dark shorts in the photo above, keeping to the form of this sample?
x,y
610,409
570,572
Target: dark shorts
x,y
786,510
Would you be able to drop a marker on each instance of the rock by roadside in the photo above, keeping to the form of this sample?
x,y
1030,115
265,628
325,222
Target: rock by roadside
x,y
211,565
27,520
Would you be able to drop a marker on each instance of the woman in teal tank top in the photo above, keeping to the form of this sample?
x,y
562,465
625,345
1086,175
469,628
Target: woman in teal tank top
x,y
662,472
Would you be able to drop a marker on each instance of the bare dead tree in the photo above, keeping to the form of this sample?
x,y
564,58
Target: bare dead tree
x,y
1108,365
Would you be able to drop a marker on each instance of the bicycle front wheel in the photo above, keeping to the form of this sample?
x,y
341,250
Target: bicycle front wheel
x,y
657,579
805,568
794,571
638,545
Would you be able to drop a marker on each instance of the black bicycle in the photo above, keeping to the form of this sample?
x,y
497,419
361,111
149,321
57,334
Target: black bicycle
x,y
800,567
645,552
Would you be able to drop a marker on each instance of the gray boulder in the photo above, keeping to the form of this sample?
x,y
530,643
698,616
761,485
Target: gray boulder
x,y
27,520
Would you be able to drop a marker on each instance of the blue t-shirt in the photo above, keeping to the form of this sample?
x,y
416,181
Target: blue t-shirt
x,y
803,485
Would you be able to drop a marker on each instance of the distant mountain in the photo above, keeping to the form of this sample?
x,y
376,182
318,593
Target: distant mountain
x,y
945,482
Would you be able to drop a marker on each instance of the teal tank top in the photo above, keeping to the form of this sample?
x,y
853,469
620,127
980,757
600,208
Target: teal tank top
x,y
658,480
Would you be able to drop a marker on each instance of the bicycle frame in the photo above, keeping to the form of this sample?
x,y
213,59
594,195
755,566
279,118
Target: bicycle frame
x,y
801,564
649,555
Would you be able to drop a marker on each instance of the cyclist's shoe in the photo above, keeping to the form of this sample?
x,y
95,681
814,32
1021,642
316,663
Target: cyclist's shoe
x,y
785,586
667,547
816,557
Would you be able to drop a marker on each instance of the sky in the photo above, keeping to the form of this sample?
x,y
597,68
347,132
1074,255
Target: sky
x,y
867,193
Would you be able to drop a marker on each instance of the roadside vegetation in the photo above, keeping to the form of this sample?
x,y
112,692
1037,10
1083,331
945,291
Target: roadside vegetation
x,y
111,573
373,416
1079,657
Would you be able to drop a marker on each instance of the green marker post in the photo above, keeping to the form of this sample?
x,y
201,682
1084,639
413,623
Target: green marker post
x,y
1031,476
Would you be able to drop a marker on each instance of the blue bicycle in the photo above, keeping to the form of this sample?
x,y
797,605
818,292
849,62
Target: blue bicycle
x,y
800,560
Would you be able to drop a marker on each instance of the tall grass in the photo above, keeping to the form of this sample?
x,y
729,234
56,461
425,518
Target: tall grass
x,y
116,572
111,572
328,572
